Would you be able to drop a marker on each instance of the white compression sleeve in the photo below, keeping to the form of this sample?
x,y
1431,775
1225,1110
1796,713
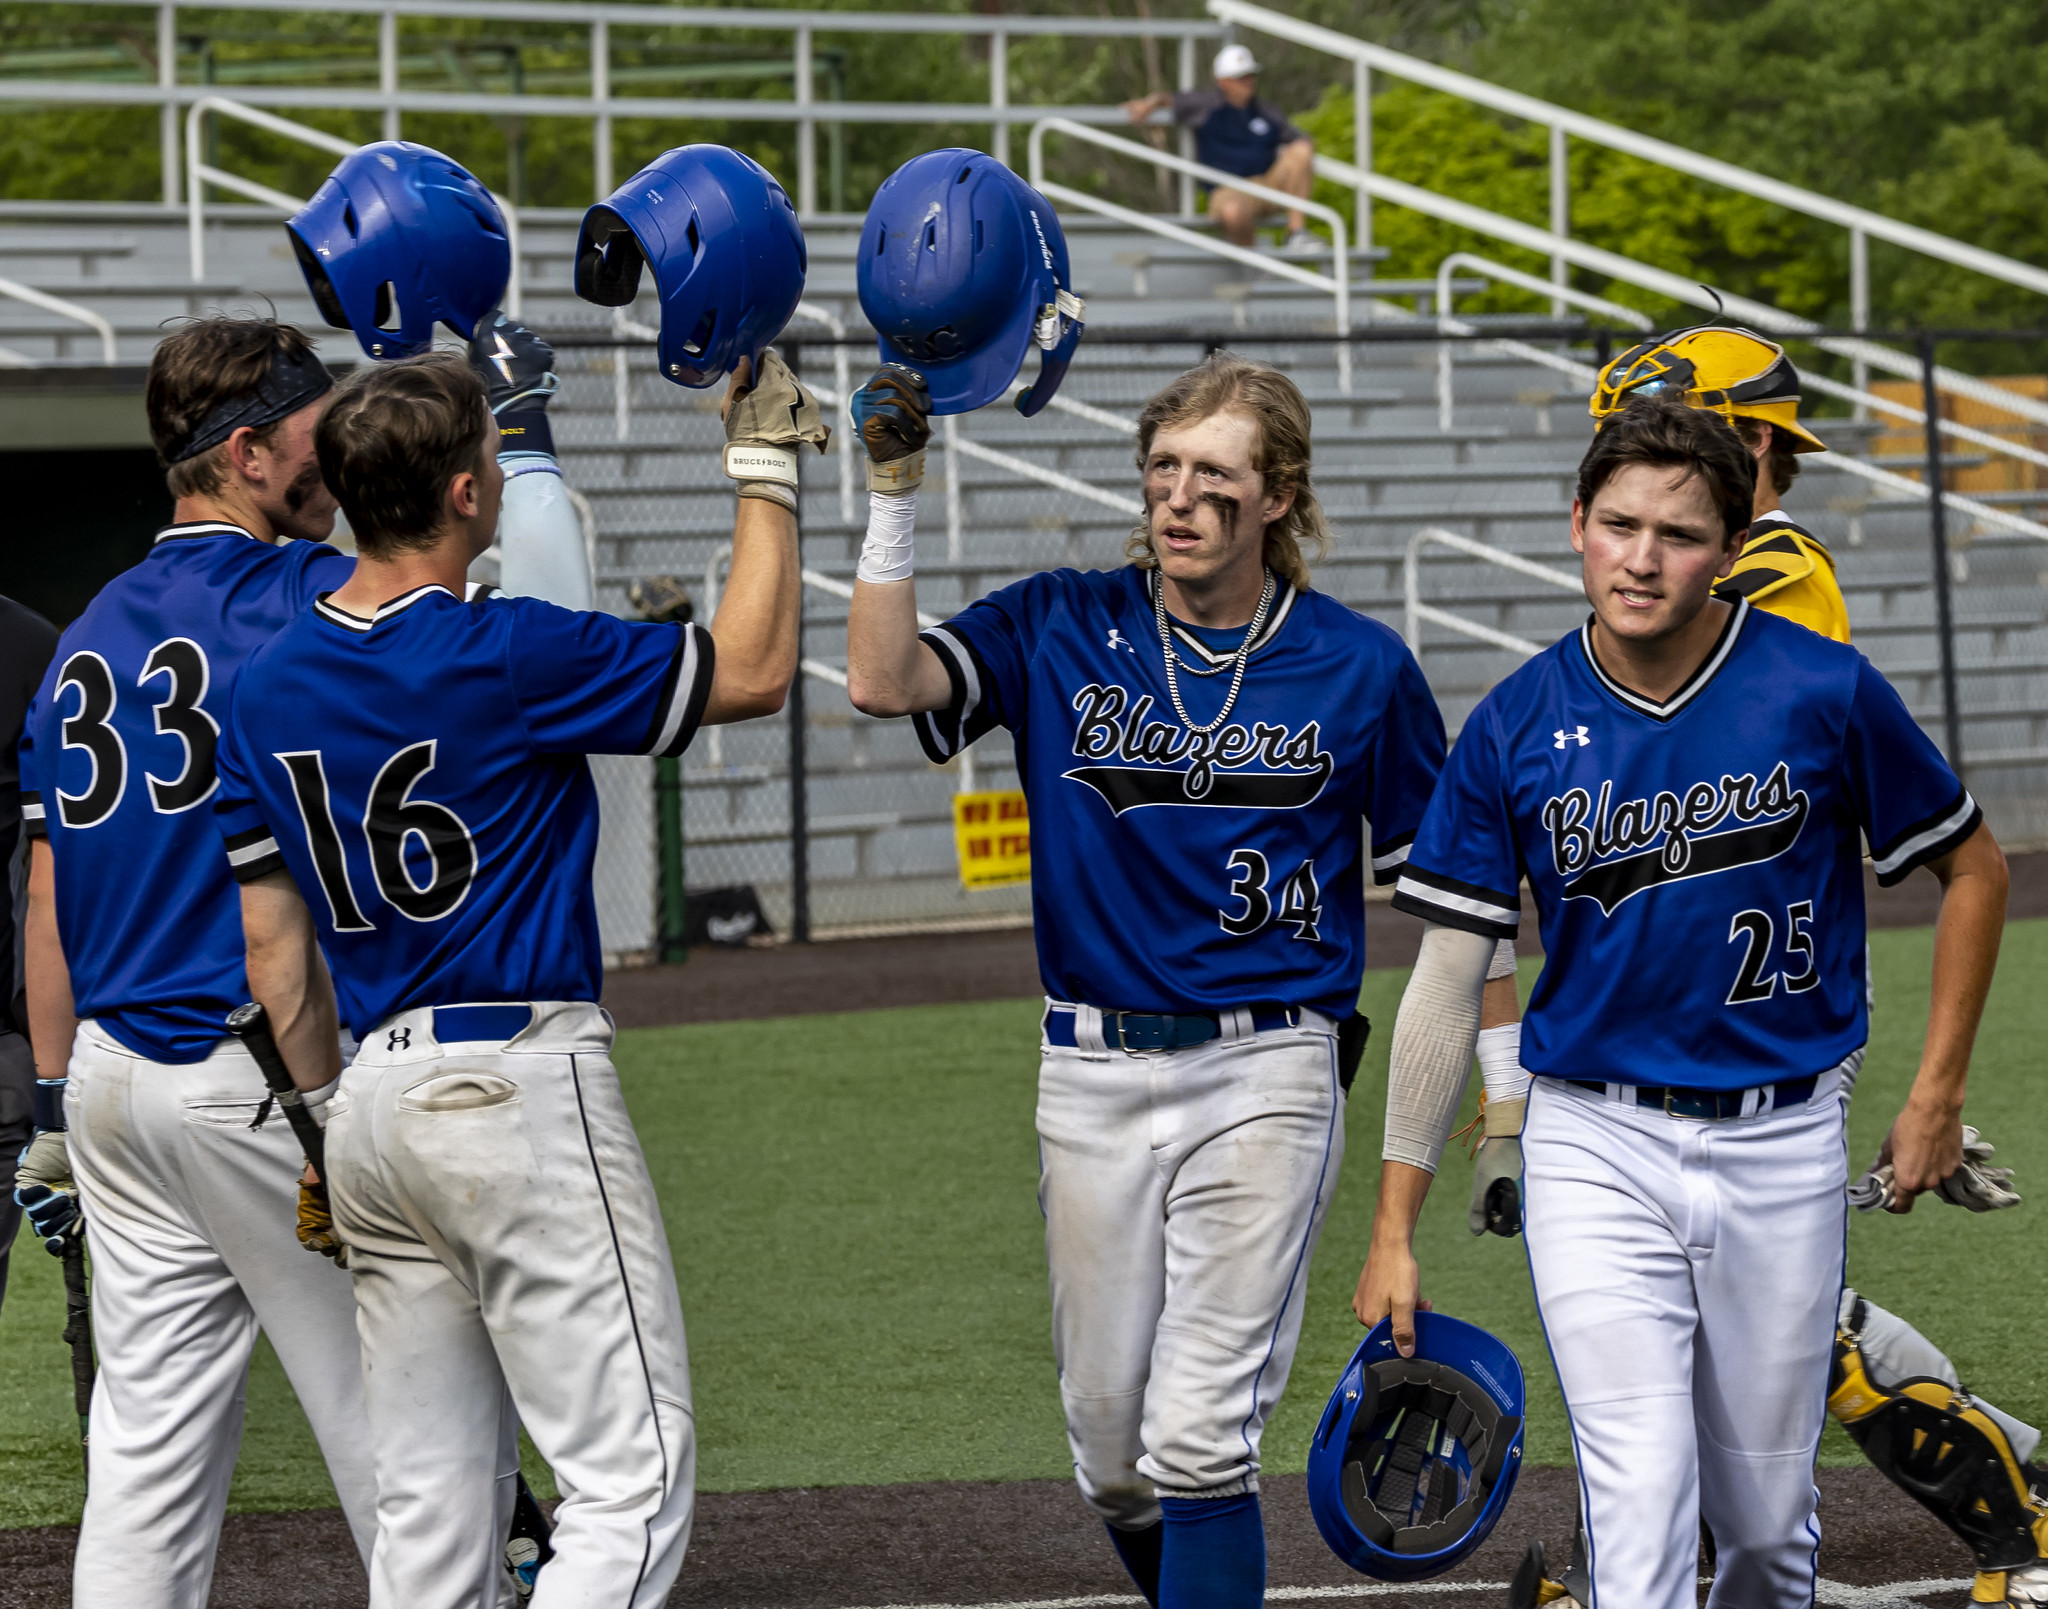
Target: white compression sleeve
x,y
1432,1051
540,537
890,547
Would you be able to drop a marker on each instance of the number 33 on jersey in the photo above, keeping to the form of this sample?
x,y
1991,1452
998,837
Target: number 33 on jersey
x,y
1696,864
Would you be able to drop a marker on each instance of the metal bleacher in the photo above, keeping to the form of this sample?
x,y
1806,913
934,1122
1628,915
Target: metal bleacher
x,y
642,453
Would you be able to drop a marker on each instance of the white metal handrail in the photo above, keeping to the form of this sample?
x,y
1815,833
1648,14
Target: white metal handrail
x,y
200,174
1337,283
1986,513
1417,611
1862,224
601,107
64,309
1466,261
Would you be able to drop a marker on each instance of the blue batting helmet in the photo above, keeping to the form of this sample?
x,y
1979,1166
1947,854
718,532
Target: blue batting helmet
x,y
1414,1459
401,238
727,253
962,270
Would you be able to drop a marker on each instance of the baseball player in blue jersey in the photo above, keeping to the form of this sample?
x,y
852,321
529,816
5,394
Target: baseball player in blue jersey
x,y
434,831
1686,783
1201,737
134,958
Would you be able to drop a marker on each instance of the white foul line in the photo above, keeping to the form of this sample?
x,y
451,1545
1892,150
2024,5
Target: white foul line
x,y
1899,1595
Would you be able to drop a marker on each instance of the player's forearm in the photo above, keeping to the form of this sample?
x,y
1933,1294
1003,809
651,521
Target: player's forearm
x,y
288,978
1431,1058
1403,1189
756,626
888,671
52,1014
1966,939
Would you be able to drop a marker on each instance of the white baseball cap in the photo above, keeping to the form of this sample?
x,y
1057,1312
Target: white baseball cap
x,y
1235,61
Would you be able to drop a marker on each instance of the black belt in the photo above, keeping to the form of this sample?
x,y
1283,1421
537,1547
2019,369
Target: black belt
x,y
1709,1103
1136,1032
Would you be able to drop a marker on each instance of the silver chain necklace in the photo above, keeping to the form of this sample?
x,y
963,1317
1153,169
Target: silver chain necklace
x,y
1238,660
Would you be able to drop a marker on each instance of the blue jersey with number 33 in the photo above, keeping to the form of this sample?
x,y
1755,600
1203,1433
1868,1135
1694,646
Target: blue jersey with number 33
x,y
1176,873
1697,863
421,774
118,771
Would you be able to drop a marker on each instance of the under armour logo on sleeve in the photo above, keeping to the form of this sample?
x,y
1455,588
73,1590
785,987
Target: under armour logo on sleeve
x,y
398,1039
1576,735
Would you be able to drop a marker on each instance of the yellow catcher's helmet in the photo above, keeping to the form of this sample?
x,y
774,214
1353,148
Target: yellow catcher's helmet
x,y
1713,366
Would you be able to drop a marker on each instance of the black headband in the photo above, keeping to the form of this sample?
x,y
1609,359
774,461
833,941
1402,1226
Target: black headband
x,y
291,383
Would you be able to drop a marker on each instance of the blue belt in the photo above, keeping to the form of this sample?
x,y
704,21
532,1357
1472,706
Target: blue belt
x,y
1712,1104
455,1024
1138,1031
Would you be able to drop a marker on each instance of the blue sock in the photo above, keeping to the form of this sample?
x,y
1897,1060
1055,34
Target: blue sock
x,y
1140,1552
1214,1555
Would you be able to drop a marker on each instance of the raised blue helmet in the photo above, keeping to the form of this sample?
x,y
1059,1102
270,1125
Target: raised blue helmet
x,y
401,238
962,271
725,247
1414,1458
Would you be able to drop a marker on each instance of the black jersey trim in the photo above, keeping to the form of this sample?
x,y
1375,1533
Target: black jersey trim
x,y
1695,684
943,733
253,853
33,820
1389,855
362,626
1192,647
1412,900
685,690
197,528
1926,840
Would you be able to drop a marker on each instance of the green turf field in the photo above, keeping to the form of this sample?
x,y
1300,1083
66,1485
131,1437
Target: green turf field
x,y
850,1202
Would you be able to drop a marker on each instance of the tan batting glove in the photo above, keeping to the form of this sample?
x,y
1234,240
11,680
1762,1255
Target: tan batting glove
x,y
768,416
316,1221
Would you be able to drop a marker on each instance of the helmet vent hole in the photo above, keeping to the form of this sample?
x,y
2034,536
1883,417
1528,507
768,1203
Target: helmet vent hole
x,y
696,241
961,177
881,240
387,315
931,237
977,234
700,338
348,219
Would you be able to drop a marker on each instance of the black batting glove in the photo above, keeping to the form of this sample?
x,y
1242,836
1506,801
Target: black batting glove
x,y
517,368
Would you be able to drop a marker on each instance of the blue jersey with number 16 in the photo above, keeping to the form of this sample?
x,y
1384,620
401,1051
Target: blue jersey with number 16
x,y
421,774
117,770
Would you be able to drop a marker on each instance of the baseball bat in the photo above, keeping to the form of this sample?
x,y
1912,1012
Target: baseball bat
x,y
78,1336
251,1025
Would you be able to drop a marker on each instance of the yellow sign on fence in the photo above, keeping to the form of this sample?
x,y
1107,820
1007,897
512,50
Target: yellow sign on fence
x,y
993,833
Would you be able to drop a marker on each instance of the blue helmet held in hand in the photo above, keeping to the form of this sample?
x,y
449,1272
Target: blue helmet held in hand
x,y
726,250
401,238
1414,1458
962,271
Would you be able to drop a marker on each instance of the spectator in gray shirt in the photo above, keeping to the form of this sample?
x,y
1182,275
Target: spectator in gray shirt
x,y
1241,134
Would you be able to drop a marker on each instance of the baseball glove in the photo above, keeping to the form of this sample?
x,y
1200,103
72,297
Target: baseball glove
x,y
1975,1185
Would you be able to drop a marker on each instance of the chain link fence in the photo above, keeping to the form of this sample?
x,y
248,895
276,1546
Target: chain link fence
x,y
851,830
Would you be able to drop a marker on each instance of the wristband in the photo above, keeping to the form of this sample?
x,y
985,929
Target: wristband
x,y
889,549
527,431
898,476
1504,1118
1500,1064
49,1105
755,460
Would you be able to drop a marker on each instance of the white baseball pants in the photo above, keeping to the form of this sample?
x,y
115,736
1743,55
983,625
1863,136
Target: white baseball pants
x,y
1687,1274
508,1249
191,1218
1183,1192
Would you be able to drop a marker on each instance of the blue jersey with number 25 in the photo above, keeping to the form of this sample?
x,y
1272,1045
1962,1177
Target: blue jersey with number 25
x,y
421,774
1176,873
1697,864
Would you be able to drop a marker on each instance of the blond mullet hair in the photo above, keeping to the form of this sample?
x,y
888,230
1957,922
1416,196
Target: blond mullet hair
x,y
1227,383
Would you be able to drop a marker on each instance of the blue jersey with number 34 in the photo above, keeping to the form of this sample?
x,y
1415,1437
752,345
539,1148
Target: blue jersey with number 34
x,y
421,774
117,769
1697,864
1176,873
